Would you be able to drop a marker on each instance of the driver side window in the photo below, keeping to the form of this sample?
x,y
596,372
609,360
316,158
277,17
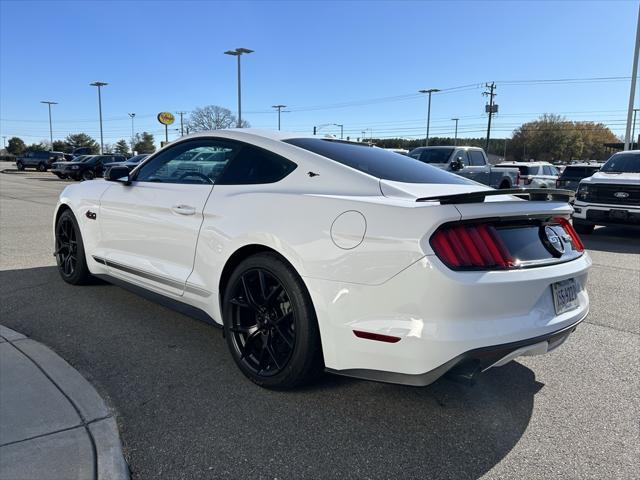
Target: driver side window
x,y
462,155
195,162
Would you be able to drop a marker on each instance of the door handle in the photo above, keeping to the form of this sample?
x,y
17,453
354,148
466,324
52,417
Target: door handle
x,y
183,209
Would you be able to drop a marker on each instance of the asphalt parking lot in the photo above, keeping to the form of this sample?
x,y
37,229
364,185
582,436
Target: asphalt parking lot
x,y
185,411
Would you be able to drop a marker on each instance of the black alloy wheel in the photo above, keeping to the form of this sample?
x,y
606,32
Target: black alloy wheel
x,y
42,167
88,175
270,324
69,253
19,165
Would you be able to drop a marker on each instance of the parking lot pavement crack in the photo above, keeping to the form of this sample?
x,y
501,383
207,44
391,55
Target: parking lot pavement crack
x,y
622,330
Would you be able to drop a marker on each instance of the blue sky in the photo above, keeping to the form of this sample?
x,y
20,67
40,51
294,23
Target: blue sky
x,y
326,60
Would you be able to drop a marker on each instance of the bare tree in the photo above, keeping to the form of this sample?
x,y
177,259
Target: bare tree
x,y
212,117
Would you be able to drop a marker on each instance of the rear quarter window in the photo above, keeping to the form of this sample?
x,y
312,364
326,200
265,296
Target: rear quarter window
x,y
378,162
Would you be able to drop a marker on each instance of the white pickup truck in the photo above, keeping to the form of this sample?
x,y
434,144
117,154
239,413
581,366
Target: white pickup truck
x,y
611,196
470,162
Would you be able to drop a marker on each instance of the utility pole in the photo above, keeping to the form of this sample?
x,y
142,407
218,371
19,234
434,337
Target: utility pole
x,y
181,123
133,136
634,76
50,125
633,130
99,85
279,108
504,155
429,92
490,108
238,52
341,130
455,139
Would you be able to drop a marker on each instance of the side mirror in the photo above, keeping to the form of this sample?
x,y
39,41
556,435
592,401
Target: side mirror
x,y
118,174
457,164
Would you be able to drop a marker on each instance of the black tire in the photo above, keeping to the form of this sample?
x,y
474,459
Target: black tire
x,y
504,185
70,256
583,228
270,324
19,165
41,167
88,175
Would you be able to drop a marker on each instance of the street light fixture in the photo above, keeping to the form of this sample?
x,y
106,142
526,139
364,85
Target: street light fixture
x,y
429,92
279,108
238,52
455,139
341,130
50,124
99,85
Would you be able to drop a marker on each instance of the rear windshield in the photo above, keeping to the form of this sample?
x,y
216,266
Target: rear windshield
x,y
578,173
524,170
432,155
622,163
377,162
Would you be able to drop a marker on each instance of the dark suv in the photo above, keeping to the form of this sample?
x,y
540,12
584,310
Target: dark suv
x,y
572,174
86,168
41,161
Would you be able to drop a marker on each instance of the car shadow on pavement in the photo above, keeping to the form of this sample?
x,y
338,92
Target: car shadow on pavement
x,y
613,239
185,410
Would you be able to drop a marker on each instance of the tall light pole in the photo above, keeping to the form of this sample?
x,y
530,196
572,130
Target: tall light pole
x,y
279,108
455,138
238,52
634,76
429,92
133,135
100,85
341,129
50,124
633,129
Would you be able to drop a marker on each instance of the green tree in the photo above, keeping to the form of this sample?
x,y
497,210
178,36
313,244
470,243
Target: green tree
x,y
553,138
60,146
37,147
121,147
144,143
79,140
16,146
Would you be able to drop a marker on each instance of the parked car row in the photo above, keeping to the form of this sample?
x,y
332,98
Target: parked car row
x,y
41,161
88,167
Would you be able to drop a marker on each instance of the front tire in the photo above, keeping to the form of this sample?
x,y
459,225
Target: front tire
x,y
88,175
42,167
583,228
270,324
20,165
70,256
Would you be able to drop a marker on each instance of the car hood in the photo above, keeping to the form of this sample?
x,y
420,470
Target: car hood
x,y
614,178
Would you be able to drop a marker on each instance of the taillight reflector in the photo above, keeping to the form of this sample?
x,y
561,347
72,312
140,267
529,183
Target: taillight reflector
x,y
376,336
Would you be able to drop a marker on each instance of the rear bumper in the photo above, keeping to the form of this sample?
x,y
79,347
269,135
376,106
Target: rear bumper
x,y
440,317
481,359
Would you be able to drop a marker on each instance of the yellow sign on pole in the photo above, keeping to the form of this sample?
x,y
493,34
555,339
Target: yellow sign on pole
x,y
166,118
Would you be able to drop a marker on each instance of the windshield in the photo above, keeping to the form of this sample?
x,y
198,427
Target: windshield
x,y
377,162
137,158
578,173
622,163
433,155
80,158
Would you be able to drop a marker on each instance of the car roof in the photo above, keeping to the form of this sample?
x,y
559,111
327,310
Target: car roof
x,y
435,147
527,163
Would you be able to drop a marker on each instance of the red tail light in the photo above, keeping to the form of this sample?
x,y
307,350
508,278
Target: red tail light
x,y
575,239
471,246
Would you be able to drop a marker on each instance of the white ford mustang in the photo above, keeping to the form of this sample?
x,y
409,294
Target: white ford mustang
x,y
314,253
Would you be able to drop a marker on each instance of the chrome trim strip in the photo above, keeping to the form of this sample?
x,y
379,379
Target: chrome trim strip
x,y
153,277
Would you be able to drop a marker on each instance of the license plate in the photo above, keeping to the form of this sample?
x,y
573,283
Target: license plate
x,y
565,295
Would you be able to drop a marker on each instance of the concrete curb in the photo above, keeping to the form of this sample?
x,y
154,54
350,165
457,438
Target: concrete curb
x,y
55,425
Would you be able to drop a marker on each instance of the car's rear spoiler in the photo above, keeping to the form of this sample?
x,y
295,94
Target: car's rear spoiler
x,y
533,194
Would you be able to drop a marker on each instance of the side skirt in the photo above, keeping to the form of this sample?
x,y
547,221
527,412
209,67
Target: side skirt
x,y
175,305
